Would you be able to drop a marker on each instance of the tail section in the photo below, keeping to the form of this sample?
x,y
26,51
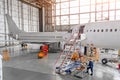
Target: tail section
x,y
12,27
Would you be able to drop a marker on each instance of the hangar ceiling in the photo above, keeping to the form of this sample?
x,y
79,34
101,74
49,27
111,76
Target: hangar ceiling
x,y
39,3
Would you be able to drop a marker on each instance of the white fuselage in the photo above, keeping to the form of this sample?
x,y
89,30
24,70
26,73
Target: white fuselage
x,y
103,34
100,34
37,37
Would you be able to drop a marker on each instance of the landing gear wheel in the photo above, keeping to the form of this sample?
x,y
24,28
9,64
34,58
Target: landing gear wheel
x,y
57,70
104,61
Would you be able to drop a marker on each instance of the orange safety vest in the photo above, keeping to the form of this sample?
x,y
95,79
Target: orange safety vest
x,y
75,56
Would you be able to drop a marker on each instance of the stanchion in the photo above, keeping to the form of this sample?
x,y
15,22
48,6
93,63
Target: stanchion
x,y
1,70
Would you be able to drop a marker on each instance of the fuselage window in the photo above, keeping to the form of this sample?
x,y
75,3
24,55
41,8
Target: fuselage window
x,y
87,30
115,30
94,30
102,30
106,30
98,30
110,30
90,30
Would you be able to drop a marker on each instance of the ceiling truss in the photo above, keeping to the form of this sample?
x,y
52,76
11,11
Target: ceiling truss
x,y
40,3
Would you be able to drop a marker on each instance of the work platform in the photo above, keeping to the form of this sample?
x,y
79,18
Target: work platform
x,y
26,66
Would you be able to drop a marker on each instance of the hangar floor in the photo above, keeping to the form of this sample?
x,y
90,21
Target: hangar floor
x,y
26,66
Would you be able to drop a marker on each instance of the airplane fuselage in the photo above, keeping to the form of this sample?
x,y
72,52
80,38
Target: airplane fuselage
x,y
103,34
41,37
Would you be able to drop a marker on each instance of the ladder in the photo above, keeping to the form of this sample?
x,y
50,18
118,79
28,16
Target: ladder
x,y
67,55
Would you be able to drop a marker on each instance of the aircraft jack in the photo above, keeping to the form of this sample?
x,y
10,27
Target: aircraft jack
x,y
43,51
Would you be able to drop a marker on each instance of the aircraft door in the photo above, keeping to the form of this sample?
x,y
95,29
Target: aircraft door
x,y
81,30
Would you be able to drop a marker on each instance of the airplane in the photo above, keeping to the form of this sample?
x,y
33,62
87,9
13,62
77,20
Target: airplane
x,y
100,34
33,37
42,38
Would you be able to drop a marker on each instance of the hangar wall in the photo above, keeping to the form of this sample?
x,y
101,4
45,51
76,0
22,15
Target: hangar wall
x,y
25,16
73,12
49,24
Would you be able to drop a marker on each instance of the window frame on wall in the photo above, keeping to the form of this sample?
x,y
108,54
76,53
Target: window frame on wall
x,y
98,10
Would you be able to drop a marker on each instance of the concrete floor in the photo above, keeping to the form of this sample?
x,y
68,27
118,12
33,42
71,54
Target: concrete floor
x,y
26,66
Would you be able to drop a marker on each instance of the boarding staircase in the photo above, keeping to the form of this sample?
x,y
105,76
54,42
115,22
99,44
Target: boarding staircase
x,y
65,56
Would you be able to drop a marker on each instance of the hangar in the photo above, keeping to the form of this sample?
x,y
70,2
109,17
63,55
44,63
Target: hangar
x,y
57,39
